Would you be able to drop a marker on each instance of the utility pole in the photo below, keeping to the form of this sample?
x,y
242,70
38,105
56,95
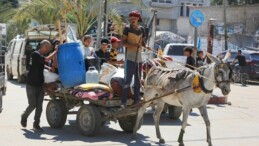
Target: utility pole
x,y
210,37
195,43
99,29
105,30
225,26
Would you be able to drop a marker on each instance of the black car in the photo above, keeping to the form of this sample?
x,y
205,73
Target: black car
x,y
252,60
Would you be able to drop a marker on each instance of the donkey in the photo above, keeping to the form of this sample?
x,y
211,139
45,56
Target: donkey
x,y
216,74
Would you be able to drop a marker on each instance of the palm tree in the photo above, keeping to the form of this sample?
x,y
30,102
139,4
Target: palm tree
x,y
81,12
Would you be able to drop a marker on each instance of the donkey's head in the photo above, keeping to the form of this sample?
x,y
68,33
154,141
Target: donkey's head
x,y
222,74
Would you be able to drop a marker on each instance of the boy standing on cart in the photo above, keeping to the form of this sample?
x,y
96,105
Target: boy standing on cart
x,y
35,84
133,40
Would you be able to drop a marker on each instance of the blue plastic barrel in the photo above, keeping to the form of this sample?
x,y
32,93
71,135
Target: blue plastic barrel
x,y
71,65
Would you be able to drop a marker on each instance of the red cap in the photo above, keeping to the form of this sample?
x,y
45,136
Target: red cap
x,y
135,14
115,39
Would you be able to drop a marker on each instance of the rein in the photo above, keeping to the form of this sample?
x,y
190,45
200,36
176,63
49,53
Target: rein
x,y
203,88
159,97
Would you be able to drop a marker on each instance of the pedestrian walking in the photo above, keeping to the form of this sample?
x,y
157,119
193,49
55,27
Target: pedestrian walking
x,y
35,84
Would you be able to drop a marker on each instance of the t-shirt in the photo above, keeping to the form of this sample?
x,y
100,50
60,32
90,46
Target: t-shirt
x,y
88,51
113,54
241,60
199,62
35,75
190,61
134,36
104,56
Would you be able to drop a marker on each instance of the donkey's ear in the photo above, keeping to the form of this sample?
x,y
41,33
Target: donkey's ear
x,y
213,58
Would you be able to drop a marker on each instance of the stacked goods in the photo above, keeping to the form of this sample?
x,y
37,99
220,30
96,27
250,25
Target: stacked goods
x,y
117,87
92,91
117,82
71,65
106,73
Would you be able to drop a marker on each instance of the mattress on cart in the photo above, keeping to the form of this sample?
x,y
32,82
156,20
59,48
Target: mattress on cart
x,y
92,91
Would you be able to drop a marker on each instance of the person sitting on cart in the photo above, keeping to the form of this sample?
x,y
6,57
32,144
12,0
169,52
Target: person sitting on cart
x,y
54,63
115,42
88,50
133,40
103,54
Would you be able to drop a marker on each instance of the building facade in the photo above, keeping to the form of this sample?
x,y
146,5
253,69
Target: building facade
x,y
169,11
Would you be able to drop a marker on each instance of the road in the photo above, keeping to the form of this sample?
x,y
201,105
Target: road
x,y
235,125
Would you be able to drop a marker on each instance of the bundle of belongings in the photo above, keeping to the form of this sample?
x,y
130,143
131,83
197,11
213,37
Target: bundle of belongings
x,y
51,80
117,82
92,91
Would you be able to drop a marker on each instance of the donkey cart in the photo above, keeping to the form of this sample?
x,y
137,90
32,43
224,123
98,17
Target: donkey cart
x,y
92,114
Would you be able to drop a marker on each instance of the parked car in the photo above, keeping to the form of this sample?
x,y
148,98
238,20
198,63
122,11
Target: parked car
x,y
20,49
175,50
252,60
2,76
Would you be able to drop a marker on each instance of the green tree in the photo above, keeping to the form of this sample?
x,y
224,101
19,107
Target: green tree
x,y
81,12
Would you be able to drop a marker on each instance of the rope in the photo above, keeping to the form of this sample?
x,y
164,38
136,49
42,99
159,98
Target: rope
x,y
155,52
156,98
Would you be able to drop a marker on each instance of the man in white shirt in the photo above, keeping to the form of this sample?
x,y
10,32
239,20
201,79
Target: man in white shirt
x,y
88,50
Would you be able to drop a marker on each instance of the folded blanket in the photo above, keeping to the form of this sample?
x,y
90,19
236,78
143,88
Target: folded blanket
x,y
92,95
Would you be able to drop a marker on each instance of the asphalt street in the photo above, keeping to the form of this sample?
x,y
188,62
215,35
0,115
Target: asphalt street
x,y
231,125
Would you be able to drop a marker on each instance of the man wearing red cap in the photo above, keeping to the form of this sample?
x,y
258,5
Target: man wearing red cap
x,y
115,42
133,40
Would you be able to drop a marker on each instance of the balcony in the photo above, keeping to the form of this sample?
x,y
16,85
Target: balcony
x,y
162,3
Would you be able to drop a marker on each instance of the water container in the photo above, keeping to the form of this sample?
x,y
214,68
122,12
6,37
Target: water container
x,y
92,75
71,65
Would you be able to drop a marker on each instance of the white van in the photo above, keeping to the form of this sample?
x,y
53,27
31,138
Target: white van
x,y
175,50
20,48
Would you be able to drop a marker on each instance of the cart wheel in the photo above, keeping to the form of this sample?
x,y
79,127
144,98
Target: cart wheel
x,y
174,112
88,120
56,113
127,124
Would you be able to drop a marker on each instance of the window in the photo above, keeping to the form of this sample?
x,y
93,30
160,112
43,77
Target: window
x,y
181,9
163,1
255,57
176,50
157,21
187,11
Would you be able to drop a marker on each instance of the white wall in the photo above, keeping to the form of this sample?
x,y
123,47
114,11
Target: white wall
x,y
165,25
183,26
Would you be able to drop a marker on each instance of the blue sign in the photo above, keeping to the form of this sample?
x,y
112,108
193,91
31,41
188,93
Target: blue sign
x,y
197,18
